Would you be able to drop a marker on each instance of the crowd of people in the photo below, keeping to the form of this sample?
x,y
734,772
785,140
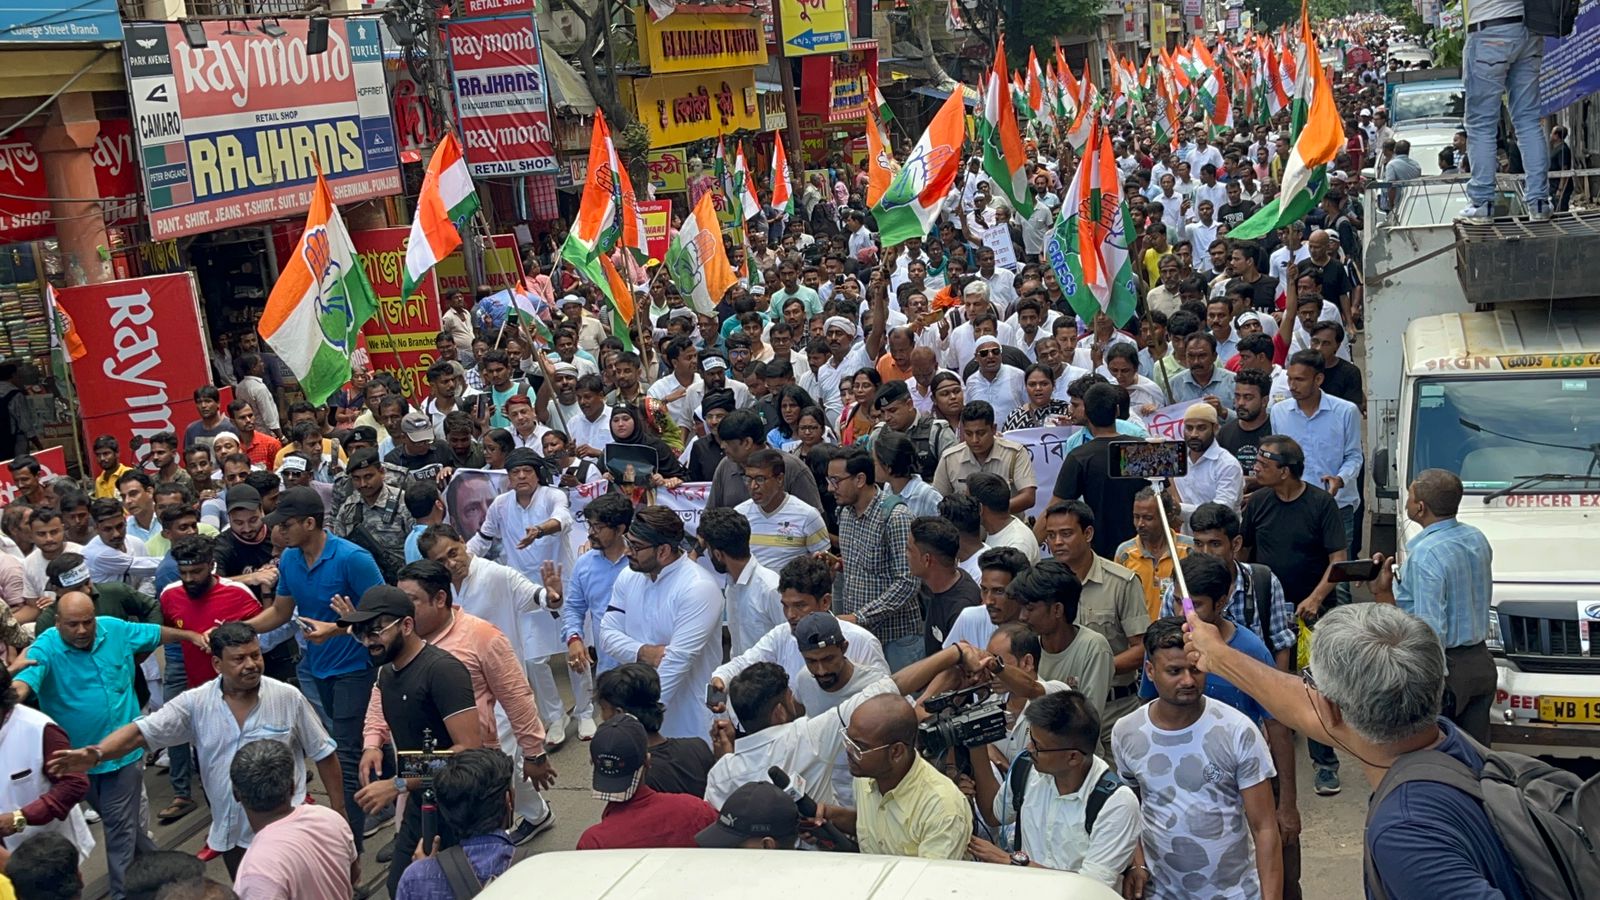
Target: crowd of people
x,y
858,553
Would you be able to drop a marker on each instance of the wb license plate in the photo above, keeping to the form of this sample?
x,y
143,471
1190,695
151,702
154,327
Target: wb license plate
x,y
1570,709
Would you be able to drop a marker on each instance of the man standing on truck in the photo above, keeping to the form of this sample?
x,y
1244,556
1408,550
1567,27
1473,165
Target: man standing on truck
x,y
1447,581
1502,58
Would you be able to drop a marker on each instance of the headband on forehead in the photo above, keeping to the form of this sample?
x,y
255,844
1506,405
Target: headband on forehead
x,y
1279,458
74,576
645,533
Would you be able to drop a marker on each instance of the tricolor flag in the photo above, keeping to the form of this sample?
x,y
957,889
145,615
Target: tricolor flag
x,y
315,312
746,186
1089,247
608,215
879,170
782,186
885,114
63,333
1003,155
914,196
1317,136
696,261
447,200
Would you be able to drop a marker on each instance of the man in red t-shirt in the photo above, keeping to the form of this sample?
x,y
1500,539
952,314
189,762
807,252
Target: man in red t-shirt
x,y
200,601
635,816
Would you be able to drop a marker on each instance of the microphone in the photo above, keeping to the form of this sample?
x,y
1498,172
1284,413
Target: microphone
x,y
795,789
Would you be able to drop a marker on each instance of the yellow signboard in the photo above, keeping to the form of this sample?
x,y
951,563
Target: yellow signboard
x,y
697,42
501,267
678,109
669,170
1158,27
814,26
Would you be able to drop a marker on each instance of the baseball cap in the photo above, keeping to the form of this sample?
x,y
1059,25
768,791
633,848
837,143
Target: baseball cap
x,y
294,503
617,751
565,368
417,426
243,496
292,463
1366,110
712,362
818,630
380,600
756,809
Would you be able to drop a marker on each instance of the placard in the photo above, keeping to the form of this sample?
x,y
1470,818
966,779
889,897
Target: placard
x,y
657,225
1047,448
998,239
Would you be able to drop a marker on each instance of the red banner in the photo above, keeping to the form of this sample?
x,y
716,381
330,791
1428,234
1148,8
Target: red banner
x,y
496,7
657,226
146,355
25,216
404,324
52,461
498,70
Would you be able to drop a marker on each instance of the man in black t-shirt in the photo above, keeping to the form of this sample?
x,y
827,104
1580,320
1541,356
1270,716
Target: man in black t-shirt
x,y
1339,378
677,765
425,692
1086,474
1244,262
944,590
244,551
1236,210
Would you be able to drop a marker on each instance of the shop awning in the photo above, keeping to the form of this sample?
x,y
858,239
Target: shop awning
x,y
568,93
768,87
968,96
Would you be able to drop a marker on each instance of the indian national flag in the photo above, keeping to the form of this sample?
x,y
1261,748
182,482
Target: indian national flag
x,y
608,215
879,170
782,186
63,333
746,186
320,302
913,197
1089,247
1003,155
885,114
447,200
696,261
1318,136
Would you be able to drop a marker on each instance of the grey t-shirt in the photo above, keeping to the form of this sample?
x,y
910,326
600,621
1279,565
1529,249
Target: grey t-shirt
x,y
1484,10
1085,664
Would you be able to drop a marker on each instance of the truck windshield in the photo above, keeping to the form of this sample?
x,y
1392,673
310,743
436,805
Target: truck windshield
x,y
1493,431
1431,103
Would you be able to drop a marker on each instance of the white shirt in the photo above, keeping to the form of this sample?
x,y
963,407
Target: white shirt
x,y
807,747
778,646
1018,535
510,520
1002,288
1053,833
794,529
1215,477
680,608
133,565
860,239
972,625
33,564
1069,374
754,605
961,346
1004,392
1201,237
503,597
1301,339
1141,392
683,409
1083,354
1198,158
1217,194
596,434
253,389
1278,264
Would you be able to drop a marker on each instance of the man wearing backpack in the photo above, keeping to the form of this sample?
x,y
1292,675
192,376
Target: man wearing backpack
x,y
1447,819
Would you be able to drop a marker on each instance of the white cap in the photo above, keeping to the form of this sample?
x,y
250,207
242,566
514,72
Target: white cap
x,y
1366,111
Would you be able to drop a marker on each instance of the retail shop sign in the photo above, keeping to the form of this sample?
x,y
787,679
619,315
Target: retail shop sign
x,y
59,21
814,26
406,325
669,170
145,355
25,214
678,109
502,97
498,7
233,132
698,42
836,86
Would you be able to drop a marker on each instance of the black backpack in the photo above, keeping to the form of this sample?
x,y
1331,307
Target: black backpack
x,y
1550,18
921,435
1261,610
1544,816
1017,779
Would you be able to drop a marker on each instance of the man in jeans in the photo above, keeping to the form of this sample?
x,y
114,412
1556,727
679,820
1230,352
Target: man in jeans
x,y
1503,57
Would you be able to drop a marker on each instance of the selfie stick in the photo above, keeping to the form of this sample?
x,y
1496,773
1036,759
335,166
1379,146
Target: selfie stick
x,y
1172,549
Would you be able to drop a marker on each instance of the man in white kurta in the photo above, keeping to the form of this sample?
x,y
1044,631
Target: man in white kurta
x,y
666,611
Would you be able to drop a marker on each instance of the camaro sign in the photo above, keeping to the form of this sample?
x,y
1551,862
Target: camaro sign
x,y
233,132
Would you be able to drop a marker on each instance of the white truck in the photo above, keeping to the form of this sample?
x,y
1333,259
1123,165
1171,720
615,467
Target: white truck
x,y
1507,396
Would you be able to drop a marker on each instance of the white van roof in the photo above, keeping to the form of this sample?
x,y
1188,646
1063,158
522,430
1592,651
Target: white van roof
x,y
1557,337
743,874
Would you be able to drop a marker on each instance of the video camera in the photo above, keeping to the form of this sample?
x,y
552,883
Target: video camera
x,y
959,720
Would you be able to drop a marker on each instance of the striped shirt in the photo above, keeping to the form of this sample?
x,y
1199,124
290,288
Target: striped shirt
x,y
1278,631
1447,581
792,530
201,716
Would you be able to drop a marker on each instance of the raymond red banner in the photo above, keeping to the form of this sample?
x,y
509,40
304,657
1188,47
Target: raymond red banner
x,y
52,461
404,324
25,214
146,355
497,67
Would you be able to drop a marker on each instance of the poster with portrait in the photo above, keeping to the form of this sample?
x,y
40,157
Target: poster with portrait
x,y
468,495
630,465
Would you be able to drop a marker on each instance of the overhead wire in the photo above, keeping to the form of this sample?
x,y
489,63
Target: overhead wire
x,y
58,92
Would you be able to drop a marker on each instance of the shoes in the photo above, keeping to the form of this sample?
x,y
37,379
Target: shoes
x,y
161,761
386,854
1539,210
586,728
90,816
1327,783
207,854
1477,215
527,831
177,809
375,823
555,733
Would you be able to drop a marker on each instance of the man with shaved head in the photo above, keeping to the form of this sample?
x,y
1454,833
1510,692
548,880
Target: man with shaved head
x,y
929,817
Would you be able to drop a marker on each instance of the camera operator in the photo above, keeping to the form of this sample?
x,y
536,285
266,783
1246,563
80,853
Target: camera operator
x,y
1074,814
757,816
426,693
477,803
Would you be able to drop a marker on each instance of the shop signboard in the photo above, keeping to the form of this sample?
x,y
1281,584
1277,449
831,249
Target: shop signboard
x,y
497,7
502,98
400,340
25,214
502,267
814,26
836,87
699,42
144,356
233,132
679,109
657,223
59,21
416,127
669,170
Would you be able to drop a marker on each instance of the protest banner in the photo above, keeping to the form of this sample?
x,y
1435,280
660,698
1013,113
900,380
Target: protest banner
x,y
1166,423
1047,448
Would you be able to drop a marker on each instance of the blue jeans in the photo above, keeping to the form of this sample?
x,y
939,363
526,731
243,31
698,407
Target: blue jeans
x,y
174,681
902,652
1352,537
344,700
1505,59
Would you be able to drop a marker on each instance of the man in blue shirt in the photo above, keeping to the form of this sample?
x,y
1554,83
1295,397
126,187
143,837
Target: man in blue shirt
x,y
587,590
1447,581
1328,429
83,671
315,567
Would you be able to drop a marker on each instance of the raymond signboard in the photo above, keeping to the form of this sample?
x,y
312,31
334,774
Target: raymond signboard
x,y
497,67
146,355
232,132
25,215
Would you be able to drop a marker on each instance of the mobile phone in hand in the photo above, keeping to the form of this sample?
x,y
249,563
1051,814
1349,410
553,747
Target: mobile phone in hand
x,y
1353,570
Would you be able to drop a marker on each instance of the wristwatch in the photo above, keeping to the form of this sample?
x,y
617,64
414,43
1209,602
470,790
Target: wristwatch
x,y
1020,859
19,822
539,760
401,785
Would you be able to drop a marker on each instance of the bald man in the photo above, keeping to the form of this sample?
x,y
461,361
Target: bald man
x,y
930,818
924,365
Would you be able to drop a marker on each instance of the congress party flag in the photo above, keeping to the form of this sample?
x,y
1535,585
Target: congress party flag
x,y
1004,158
696,260
913,197
1089,247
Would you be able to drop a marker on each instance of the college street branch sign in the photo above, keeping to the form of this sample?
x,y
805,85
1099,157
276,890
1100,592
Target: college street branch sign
x,y
233,132
497,68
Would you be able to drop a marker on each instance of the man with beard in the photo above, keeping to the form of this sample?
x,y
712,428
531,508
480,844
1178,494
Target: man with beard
x,y
714,376
49,541
427,697
752,592
201,600
209,718
1250,423
83,672
1214,474
998,566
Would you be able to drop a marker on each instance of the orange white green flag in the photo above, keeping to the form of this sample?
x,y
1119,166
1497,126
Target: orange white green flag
x,y
879,171
908,206
447,200
782,186
1089,247
322,298
696,260
1004,158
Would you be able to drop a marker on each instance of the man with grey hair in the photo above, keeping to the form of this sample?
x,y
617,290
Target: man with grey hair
x,y
298,851
1373,689
1447,581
